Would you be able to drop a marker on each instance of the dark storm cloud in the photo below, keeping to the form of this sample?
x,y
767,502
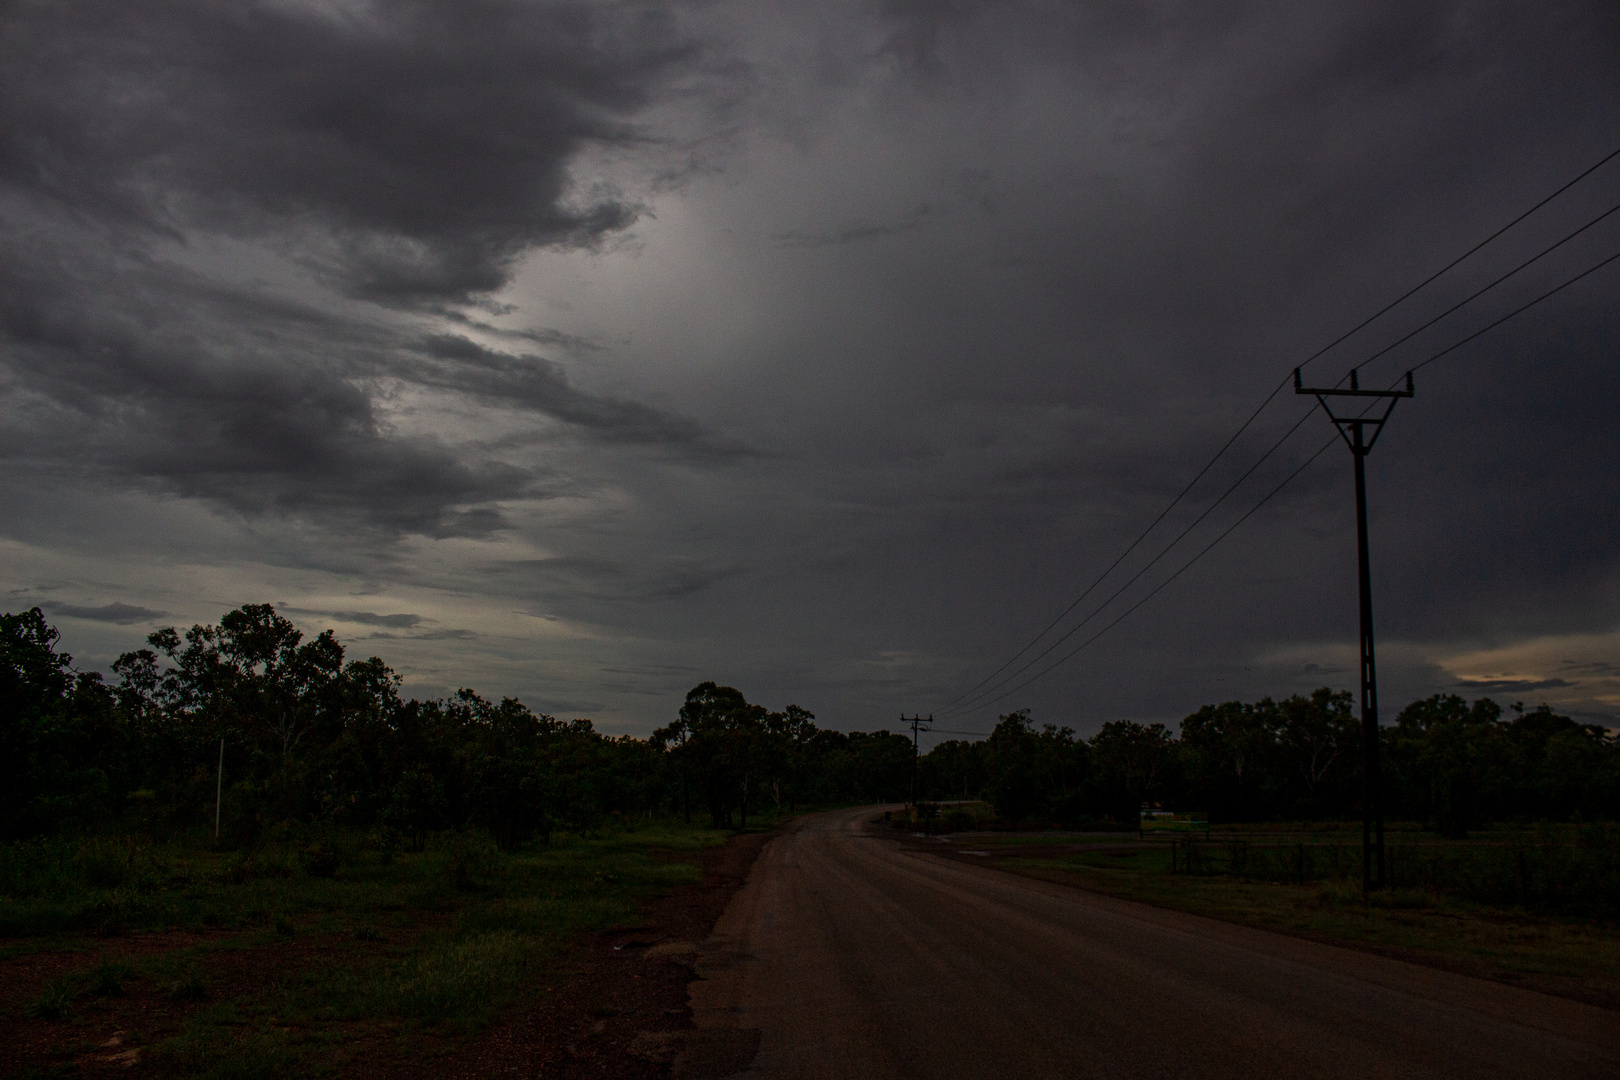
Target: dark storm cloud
x,y
403,152
1511,686
1591,668
268,405
364,618
152,375
119,614
854,234
1214,193
532,382
572,343
426,635
428,143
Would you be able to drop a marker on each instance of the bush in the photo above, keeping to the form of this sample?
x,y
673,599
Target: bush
x,y
320,859
53,1002
472,862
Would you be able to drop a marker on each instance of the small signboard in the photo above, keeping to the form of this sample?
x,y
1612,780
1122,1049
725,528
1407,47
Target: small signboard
x,y
1157,819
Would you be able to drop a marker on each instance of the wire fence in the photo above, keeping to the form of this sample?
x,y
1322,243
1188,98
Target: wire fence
x,y
1536,872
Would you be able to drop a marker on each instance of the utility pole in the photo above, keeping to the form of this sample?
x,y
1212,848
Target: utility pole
x,y
219,787
1354,431
918,723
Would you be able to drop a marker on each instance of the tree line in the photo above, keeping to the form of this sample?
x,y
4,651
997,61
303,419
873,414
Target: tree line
x,y
1446,763
311,736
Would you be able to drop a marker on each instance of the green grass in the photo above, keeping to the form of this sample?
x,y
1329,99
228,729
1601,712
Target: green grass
x,y
417,949
1421,922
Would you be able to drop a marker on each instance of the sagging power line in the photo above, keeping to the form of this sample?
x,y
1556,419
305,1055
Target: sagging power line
x,y
971,698
1274,491
990,697
1247,423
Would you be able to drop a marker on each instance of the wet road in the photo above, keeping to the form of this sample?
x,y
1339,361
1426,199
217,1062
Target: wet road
x,y
854,957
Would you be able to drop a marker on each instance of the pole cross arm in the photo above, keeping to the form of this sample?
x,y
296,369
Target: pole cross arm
x,y
1354,425
1355,389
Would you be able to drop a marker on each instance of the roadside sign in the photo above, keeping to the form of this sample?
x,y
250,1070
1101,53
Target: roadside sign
x,y
1156,819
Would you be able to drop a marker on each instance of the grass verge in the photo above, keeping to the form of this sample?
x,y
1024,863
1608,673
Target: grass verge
x,y
1574,957
288,974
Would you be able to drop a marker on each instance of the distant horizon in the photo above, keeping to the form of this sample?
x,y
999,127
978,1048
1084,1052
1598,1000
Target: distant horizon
x,y
931,737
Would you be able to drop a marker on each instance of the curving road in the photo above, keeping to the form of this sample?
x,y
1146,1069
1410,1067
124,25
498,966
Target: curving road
x,y
851,956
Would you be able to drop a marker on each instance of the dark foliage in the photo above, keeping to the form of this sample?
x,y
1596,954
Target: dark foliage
x,y
1448,764
312,740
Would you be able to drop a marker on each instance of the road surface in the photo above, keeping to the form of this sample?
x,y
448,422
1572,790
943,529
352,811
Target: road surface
x,y
848,955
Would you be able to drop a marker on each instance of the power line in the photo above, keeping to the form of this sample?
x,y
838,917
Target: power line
x,y
1482,291
968,698
1122,555
1146,567
1518,310
1157,588
971,691
1286,480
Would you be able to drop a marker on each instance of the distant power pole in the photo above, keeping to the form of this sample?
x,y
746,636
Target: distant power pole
x,y
918,723
219,787
1354,431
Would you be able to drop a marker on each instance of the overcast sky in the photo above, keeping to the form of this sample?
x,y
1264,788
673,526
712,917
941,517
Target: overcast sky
x,y
582,352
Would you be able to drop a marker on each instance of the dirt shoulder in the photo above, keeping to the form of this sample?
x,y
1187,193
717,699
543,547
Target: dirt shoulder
x,y
623,1010
1574,959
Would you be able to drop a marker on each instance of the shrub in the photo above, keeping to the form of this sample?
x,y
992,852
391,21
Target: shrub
x,y
471,861
320,859
54,1001
106,979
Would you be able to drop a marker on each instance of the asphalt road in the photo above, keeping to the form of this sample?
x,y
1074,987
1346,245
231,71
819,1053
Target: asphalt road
x,y
851,956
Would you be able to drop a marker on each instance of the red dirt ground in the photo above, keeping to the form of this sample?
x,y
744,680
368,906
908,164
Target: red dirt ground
x,y
617,1011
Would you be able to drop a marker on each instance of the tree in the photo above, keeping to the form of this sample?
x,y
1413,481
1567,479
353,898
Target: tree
x,y
1132,763
717,743
1034,774
1444,744
790,735
1319,737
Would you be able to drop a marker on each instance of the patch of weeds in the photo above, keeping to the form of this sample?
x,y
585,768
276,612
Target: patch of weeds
x,y
106,979
320,859
190,986
283,927
1339,893
55,1001
59,1071
367,933
218,1053
460,979
472,862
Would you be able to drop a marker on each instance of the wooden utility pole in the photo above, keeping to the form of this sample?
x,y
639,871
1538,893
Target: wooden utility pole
x,y
918,723
219,787
1354,431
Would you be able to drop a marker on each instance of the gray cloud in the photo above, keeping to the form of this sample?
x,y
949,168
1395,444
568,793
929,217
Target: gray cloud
x,y
532,382
120,614
428,142
1511,686
364,618
913,219
426,635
